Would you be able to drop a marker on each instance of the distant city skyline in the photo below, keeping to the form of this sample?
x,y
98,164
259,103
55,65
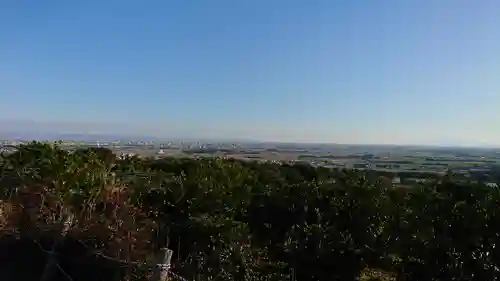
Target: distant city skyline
x,y
373,72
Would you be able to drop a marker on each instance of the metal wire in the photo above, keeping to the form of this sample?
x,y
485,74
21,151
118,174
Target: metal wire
x,y
171,274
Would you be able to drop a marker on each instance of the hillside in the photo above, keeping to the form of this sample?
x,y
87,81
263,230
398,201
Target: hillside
x,y
235,220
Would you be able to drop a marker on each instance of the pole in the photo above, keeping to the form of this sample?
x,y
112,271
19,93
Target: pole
x,y
162,264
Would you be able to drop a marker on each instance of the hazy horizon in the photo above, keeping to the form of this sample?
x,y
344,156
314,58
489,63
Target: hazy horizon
x,y
53,130
418,72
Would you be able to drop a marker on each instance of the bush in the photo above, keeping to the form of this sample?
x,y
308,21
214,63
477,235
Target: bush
x,y
235,220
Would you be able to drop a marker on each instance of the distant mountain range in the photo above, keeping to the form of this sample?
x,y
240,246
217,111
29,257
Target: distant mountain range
x,y
53,136
69,136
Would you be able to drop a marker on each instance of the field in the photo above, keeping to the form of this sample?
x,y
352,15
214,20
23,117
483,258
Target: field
x,y
382,158
403,164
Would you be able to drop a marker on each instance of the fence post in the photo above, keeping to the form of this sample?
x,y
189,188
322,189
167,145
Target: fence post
x,y
51,263
162,264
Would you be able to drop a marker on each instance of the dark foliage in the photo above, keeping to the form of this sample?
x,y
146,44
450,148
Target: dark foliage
x,y
233,220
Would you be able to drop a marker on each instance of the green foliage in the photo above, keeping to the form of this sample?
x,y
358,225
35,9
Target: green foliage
x,y
232,220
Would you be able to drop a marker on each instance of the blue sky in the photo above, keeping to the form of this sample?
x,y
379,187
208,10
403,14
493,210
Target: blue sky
x,y
359,71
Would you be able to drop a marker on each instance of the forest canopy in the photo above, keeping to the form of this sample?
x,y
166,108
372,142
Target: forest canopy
x,y
234,220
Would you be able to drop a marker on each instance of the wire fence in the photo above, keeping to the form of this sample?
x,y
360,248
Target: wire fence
x,y
157,266
161,268
54,262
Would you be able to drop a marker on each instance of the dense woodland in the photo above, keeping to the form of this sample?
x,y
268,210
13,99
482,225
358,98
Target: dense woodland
x,y
233,220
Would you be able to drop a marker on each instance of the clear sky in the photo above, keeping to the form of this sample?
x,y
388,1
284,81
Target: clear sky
x,y
358,71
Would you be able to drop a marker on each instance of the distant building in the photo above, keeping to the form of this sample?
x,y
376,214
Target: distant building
x,y
360,165
367,156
